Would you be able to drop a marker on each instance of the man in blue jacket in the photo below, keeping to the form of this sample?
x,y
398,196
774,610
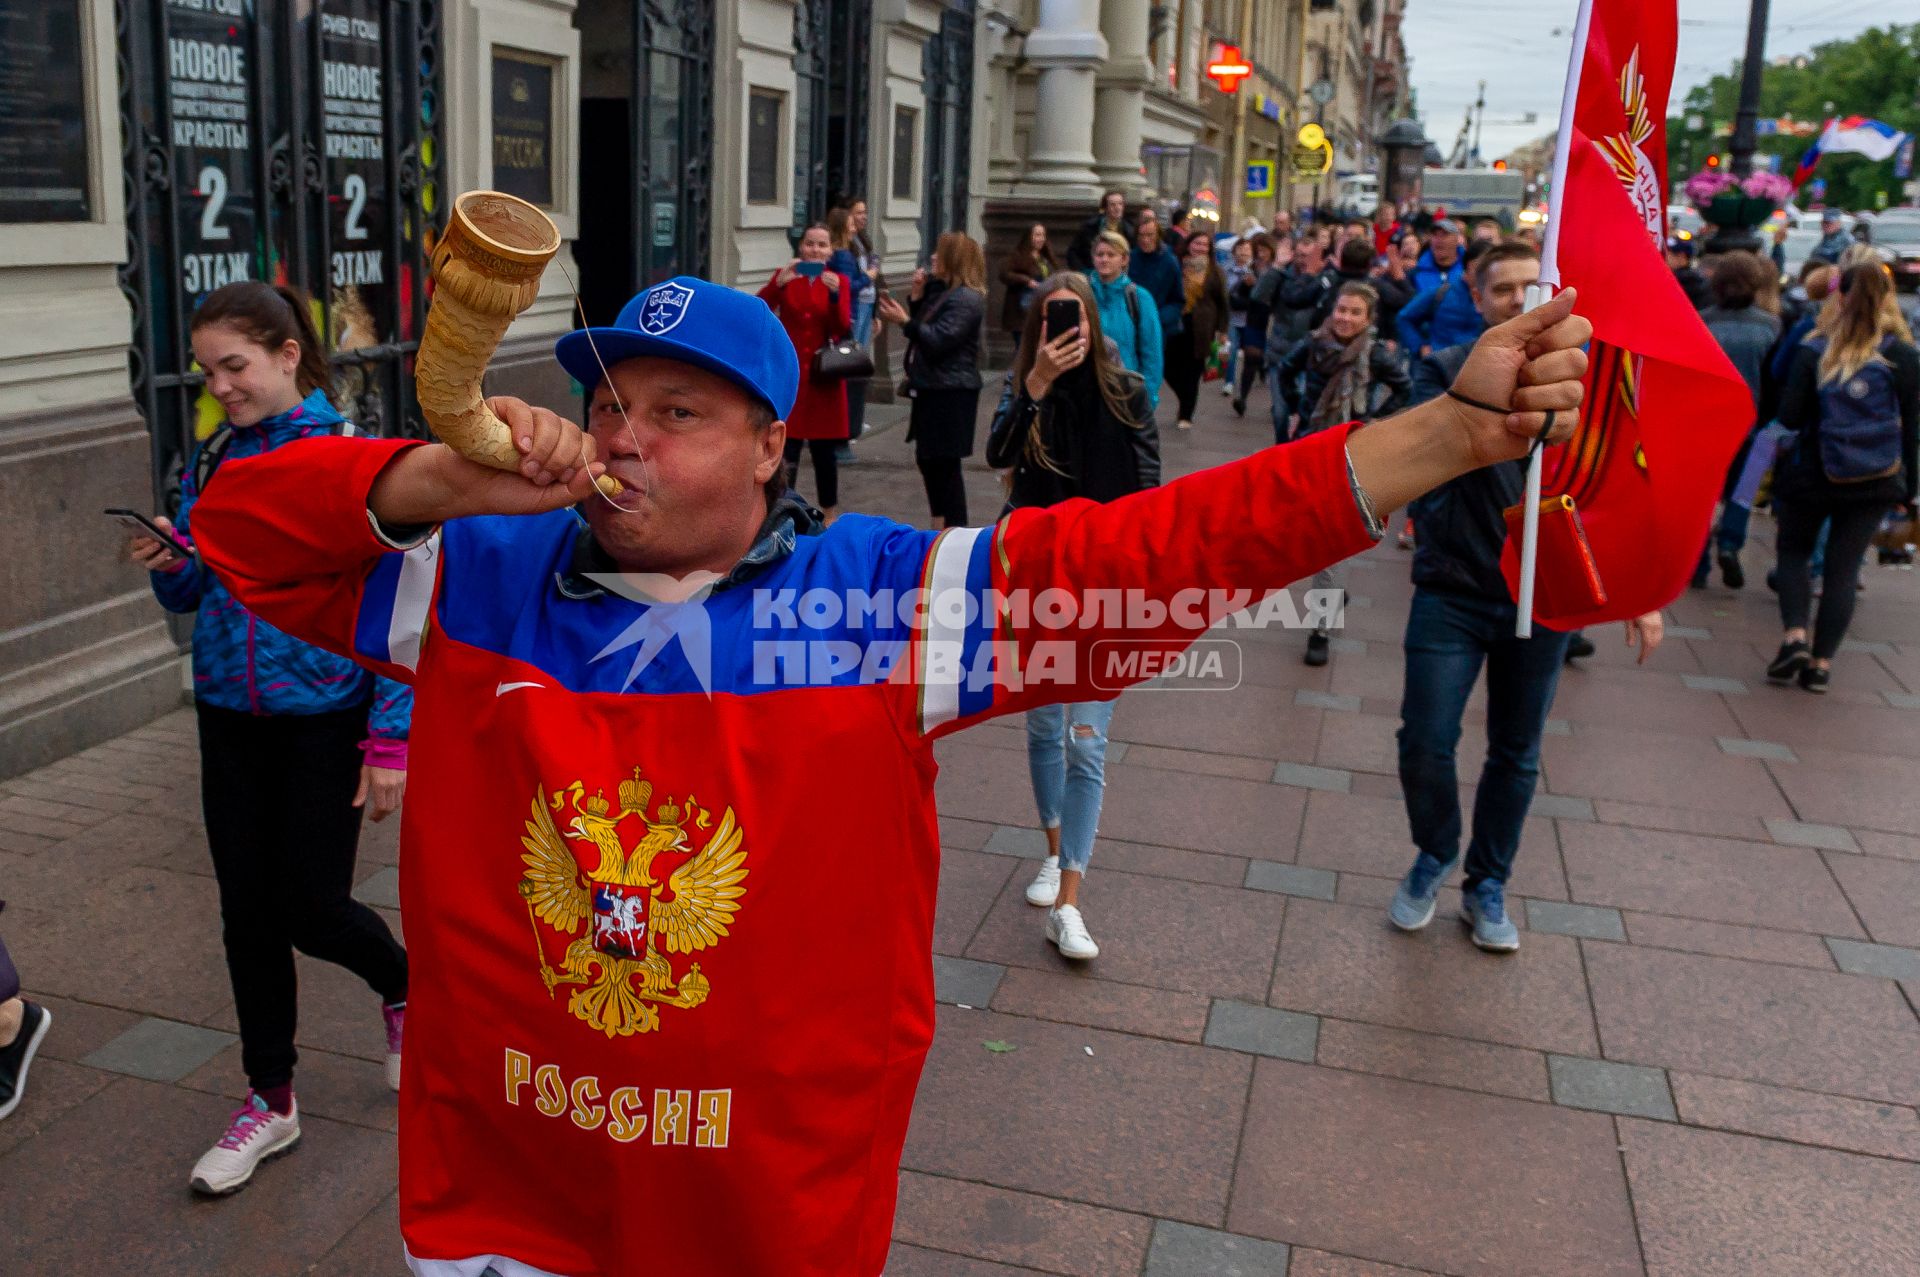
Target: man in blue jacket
x,y
1442,313
1441,260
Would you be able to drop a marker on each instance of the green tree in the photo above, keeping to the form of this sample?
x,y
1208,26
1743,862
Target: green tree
x,y
1875,74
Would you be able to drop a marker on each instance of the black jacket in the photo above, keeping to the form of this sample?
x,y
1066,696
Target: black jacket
x,y
1080,252
1296,301
1798,475
1102,457
1394,294
1460,527
1694,284
945,339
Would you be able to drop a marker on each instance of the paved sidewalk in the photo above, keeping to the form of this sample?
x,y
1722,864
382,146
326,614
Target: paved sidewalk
x,y
1704,1060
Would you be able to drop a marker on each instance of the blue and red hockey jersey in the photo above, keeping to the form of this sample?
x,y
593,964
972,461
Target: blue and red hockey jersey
x,y
664,1015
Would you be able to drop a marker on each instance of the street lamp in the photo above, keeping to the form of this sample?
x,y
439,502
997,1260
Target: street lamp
x,y
1749,110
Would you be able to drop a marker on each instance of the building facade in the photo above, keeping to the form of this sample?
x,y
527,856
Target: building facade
x,y
166,147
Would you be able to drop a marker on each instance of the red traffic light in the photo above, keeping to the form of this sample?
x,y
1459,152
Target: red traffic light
x,y
1499,166
1229,68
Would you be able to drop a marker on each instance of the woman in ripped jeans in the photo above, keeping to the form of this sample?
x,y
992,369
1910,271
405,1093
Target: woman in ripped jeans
x,y
1073,422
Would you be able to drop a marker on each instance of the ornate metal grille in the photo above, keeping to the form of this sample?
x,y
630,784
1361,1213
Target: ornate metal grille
x,y
947,71
673,137
813,45
849,95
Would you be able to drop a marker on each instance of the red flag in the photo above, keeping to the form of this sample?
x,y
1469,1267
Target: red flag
x,y
1665,411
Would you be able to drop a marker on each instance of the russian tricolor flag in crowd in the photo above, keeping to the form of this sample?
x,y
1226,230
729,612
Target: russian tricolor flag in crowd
x,y
1854,135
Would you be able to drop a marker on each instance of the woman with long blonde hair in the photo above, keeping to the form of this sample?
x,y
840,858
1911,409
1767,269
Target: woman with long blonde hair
x,y
1853,399
1078,423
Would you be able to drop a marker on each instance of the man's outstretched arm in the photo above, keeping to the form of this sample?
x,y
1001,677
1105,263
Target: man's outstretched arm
x,y
1181,557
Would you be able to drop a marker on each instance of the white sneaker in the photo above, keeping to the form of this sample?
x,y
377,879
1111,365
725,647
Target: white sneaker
x,y
1045,887
1068,932
255,1134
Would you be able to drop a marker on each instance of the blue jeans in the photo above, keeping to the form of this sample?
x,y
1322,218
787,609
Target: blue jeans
x,y
1067,754
1449,636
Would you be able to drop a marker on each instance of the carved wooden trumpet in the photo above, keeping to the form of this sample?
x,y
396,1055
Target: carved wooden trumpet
x,y
486,270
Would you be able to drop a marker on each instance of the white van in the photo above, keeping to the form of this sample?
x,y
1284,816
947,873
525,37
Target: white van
x,y
1359,192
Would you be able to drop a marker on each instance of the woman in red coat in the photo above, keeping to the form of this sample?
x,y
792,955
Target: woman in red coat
x,y
815,305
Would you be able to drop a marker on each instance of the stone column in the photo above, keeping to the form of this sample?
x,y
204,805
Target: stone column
x,y
1120,98
1067,49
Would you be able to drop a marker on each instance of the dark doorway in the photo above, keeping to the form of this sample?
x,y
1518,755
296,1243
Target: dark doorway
x,y
646,147
605,250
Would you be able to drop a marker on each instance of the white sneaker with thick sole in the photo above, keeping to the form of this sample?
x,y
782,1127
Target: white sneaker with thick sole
x,y
1068,932
1045,887
255,1133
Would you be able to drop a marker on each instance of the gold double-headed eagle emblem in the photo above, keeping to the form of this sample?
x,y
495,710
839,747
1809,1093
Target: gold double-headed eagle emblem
x,y
677,889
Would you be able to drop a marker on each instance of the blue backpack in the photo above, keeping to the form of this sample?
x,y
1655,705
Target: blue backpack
x,y
1859,423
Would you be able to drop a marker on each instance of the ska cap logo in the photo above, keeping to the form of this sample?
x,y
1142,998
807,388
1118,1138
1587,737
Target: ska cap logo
x,y
666,305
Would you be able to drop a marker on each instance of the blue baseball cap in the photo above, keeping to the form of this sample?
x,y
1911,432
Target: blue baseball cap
x,y
695,321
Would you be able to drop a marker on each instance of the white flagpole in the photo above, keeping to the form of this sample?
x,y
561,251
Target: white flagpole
x,y
1542,292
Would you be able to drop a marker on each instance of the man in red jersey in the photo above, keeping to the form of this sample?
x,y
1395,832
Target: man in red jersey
x,y
664,1015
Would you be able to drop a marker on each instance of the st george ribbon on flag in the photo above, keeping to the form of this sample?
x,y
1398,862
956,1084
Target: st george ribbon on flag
x,y
1664,410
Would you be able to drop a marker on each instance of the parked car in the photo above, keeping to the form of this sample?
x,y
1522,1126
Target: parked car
x,y
1897,231
1800,242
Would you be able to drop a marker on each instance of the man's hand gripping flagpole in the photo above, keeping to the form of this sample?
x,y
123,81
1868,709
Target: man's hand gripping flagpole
x,y
1540,293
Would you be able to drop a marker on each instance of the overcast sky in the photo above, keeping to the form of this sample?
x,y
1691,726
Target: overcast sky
x,y
1520,48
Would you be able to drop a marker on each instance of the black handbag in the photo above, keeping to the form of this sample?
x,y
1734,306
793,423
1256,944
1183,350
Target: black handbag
x,y
842,360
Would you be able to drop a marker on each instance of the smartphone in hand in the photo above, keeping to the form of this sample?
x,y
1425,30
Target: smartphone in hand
x,y
1062,315
139,525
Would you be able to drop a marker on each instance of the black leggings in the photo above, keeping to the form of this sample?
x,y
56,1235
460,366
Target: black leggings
x,y
1183,373
946,489
1798,528
278,796
856,407
826,468
1253,370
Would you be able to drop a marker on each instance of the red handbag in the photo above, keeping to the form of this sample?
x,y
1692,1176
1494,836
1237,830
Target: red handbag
x,y
1566,579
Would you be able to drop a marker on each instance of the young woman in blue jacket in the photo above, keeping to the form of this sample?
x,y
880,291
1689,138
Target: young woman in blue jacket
x,y
1129,316
295,742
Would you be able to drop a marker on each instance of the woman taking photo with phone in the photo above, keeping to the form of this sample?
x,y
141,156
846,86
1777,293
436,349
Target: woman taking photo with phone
x,y
295,742
943,368
1079,425
815,306
1203,319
